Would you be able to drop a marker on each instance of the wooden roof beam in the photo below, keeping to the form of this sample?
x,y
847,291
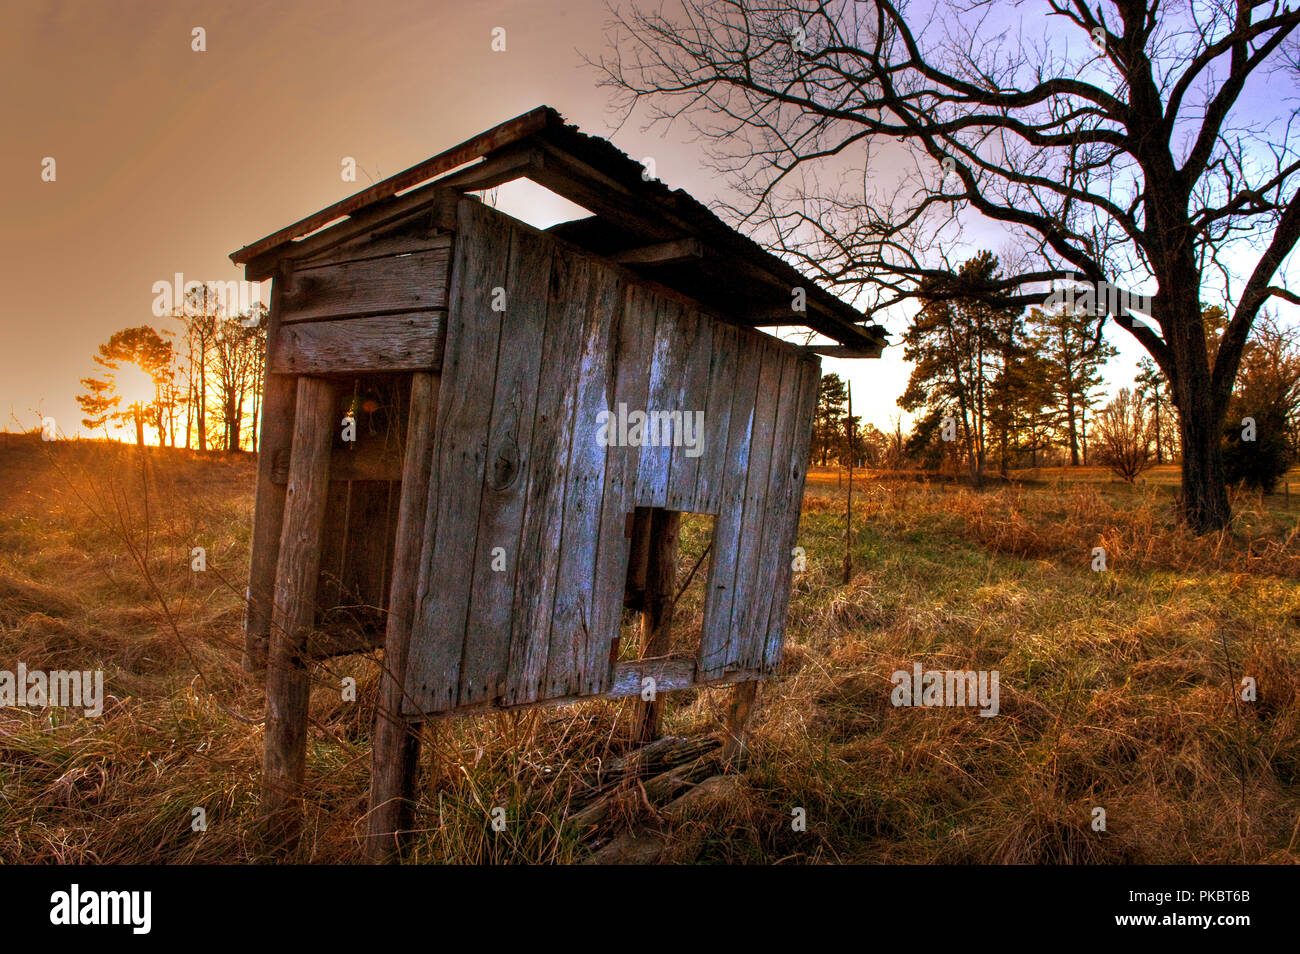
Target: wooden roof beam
x,y
841,351
495,170
440,201
596,192
592,189
775,315
492,172
817,316
495,138
661,253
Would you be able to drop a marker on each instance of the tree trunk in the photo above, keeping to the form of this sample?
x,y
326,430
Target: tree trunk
x,y
257,394
1204,492
1083,431
1159,457
1074,434
203,402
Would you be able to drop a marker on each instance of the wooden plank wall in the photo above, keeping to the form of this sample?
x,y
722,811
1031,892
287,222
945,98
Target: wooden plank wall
x,y
363,312
377,303
522,570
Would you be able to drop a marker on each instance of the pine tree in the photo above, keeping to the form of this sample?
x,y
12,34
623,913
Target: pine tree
x,y
828,421
958,345
1072,344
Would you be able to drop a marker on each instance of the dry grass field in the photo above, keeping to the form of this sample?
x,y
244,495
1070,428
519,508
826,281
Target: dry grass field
x,y
1119,689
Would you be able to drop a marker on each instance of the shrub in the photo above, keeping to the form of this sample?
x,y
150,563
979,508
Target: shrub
x,y
1124,435
1255,456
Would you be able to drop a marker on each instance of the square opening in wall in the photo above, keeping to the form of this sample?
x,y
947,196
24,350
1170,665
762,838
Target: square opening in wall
x,y
667,583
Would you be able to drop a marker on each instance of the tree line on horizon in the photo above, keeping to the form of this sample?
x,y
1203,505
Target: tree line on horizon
x,y
206,377
995,389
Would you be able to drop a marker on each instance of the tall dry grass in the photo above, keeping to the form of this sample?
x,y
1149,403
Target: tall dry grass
x,y
1119,689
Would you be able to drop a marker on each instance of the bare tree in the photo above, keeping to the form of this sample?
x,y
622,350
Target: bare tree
x,y
1124,434
200,313
232,375
257,345
1127,147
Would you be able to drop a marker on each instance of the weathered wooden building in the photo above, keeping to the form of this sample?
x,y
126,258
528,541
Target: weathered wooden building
x,y
451,464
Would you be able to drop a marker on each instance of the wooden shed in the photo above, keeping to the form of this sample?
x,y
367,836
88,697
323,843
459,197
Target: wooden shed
x,y
477,437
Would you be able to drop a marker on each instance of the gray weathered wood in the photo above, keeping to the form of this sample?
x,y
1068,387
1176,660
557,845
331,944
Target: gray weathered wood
x,y
661,253
517,466
776,511
456,483
278,397
503,167
715,636
584,619
486,656
407,342
670,675
421,232
628,382
658,788
810,374
666,368
554,422
297,572
692,397
395,753
395,283
747,598
434,201
723,359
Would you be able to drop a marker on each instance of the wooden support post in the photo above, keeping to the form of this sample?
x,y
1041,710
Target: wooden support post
x,y
638,558
287,681
735,743
657,616
395,753
276,435
848,519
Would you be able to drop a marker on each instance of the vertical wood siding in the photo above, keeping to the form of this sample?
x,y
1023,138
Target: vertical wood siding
x,y
524,558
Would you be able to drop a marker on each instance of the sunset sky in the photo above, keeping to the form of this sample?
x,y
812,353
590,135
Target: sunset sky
x,y
169,159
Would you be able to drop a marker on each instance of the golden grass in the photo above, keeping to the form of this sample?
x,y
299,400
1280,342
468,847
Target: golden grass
x,y
1118,689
